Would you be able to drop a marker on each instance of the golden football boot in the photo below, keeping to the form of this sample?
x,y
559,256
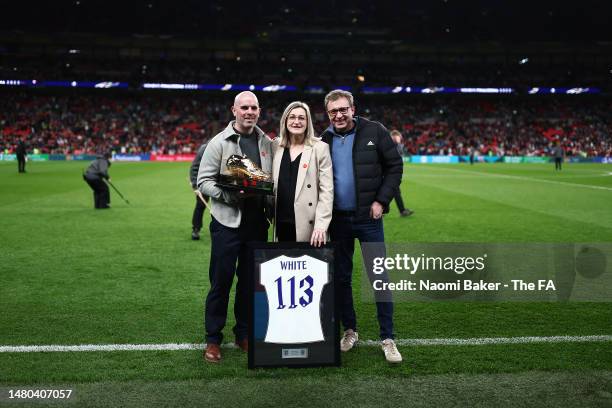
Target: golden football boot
x,y
244,168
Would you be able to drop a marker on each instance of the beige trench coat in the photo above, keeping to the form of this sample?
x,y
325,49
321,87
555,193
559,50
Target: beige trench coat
x,y
314,189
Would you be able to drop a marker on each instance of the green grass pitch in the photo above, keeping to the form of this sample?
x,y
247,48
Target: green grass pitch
x,y
72,275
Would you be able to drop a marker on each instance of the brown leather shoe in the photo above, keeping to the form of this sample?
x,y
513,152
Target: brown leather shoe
x,y
243,344
212,354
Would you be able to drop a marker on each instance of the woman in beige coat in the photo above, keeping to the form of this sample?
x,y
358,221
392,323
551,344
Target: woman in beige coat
x,y
303,180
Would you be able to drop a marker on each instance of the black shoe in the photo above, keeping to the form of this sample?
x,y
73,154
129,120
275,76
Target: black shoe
x,y
406,213
195,235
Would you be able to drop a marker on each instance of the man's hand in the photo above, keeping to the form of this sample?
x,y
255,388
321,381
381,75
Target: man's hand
x,y
376,210
318,237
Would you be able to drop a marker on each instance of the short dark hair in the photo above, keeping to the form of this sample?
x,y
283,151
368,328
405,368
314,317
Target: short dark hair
x,y
337,94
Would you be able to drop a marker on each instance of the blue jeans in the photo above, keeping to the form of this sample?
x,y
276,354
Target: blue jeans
x,y
343,231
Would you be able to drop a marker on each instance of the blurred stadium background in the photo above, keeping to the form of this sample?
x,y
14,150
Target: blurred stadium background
x,y
154,77
151,80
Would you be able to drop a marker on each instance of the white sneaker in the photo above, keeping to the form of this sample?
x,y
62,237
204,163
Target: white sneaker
x,y
391,353
348,340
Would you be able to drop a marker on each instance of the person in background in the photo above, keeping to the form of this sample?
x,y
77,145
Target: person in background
x,y
303,180
21,154
399,142
95,175
558,154
201,200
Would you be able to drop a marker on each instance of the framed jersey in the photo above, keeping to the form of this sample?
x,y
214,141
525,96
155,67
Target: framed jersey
x,y
293,320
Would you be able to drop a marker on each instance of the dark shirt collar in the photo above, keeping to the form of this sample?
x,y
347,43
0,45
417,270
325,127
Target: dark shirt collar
x,y
230,132
244,134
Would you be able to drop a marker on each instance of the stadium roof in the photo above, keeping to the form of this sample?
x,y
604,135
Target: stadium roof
x,y
330,21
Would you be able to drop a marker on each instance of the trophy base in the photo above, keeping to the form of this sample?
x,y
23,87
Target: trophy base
x,y
240,184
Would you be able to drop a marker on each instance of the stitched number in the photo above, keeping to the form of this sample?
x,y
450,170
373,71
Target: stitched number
x,y
307,291
304,300
279,284
292,282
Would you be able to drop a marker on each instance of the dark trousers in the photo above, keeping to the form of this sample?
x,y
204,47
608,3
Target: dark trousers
x,y
558,161
285,232
198,213
228,245
21,162
100,192
399,201
343,231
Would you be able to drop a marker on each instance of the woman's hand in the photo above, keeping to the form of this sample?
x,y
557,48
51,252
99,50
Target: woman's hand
x,y
318,237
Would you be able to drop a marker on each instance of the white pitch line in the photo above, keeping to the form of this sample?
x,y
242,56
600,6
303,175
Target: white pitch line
x,y
478,341
481,341
508,176
101,347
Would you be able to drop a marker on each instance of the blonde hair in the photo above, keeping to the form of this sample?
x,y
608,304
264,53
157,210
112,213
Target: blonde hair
x,y
309,137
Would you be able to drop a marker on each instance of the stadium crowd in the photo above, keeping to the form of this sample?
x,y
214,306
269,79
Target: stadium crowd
x,y
174,124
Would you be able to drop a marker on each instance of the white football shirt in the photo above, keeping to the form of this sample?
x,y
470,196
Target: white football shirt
x,y
293,288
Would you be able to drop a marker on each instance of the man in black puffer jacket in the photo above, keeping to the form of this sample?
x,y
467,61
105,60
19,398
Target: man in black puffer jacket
x,y
367,173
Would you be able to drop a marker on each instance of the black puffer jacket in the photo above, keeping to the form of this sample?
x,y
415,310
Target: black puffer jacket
x,y
377,165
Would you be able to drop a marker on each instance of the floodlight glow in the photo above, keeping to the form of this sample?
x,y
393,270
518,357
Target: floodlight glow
x,y
12,82
376,90
433,89
577,90
163,86
107,85
486,90
274,88
566,91
315,89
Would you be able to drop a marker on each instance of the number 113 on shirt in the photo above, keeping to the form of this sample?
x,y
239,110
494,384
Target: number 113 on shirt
x,y
304,300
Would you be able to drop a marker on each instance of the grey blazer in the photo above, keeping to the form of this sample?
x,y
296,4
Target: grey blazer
x,y
224,205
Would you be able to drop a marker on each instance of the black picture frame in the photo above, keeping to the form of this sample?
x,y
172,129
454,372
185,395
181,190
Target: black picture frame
x,y
271,355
